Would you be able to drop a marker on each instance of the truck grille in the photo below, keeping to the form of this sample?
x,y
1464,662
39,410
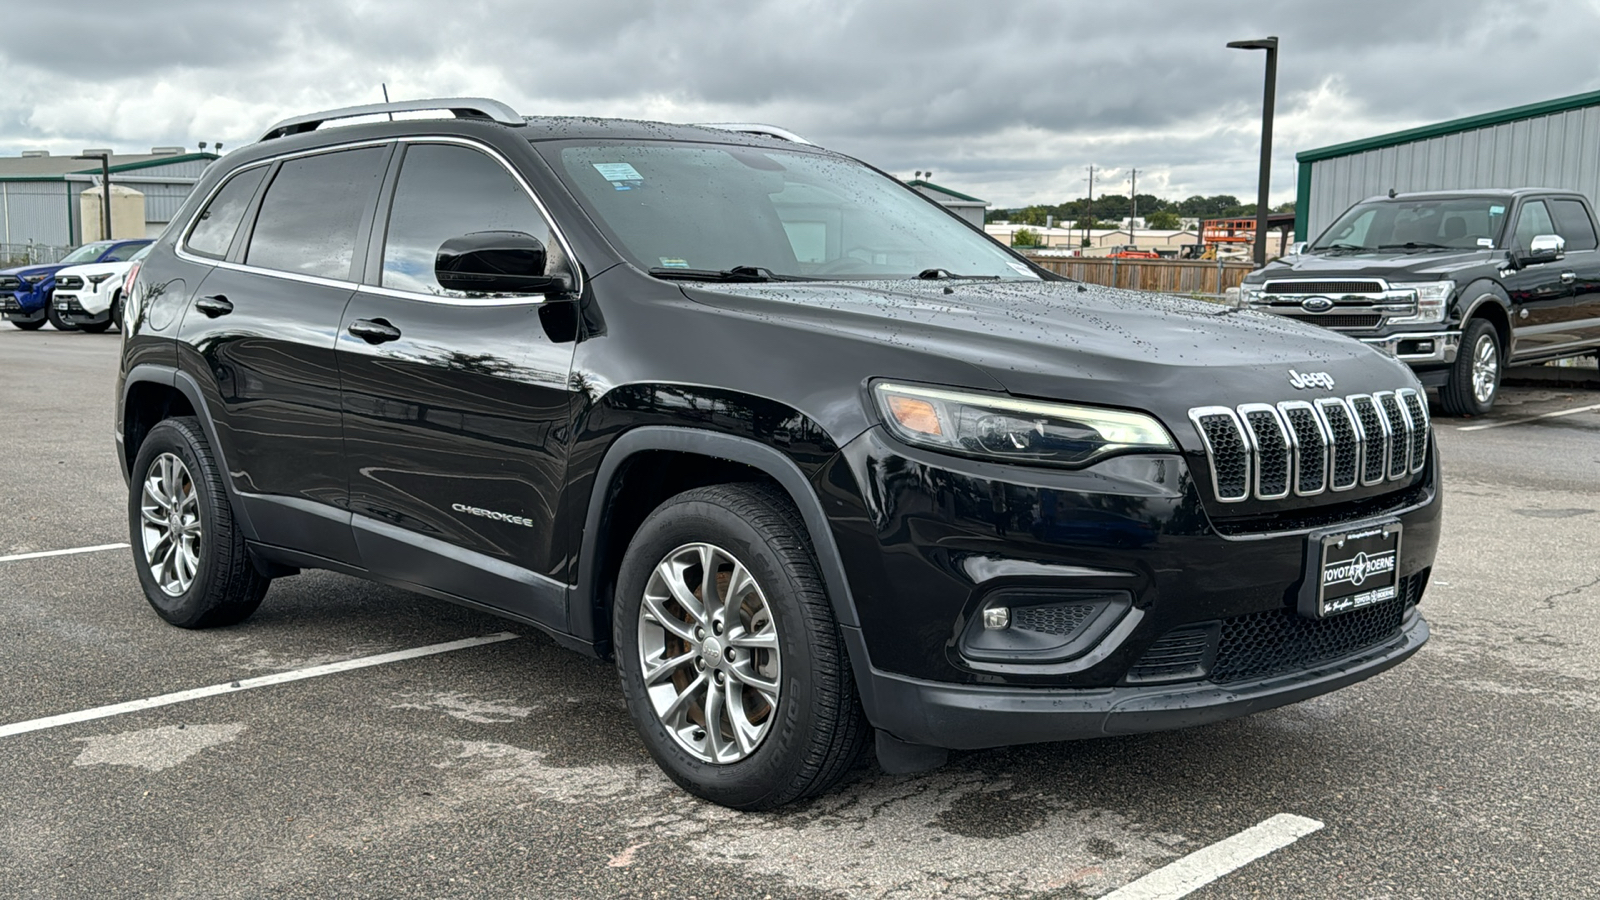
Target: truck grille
x,y
1263,644
1268,452
1340,320
1324,287
69,282
9,283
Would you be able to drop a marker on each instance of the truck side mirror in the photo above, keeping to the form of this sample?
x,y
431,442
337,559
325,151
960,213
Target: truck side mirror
x,y
1543,248
1299,248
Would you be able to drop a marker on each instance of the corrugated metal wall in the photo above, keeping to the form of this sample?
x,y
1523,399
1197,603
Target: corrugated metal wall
x,y
37,211
1555,151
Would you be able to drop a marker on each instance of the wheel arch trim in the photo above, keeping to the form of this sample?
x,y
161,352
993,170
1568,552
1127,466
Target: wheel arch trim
x,y
716,445
185,384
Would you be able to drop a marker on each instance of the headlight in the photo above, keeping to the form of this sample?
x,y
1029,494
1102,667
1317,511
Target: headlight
x,y
1433,297
35,279
96,279
1008,430
1250,293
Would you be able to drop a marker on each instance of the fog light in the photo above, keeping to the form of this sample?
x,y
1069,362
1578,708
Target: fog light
x,y
996,617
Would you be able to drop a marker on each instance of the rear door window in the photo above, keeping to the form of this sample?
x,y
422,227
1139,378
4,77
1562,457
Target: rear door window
x,y
446,191
213,231
1573,224
311,214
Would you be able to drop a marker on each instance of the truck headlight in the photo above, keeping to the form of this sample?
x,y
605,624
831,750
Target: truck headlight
x,y
35,279
1004,429
1433,298
96,279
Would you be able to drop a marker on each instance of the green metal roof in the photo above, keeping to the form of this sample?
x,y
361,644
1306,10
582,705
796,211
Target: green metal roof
x,y
1454,126
944,190
57,168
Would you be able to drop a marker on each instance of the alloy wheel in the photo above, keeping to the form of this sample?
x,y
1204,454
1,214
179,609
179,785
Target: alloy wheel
x,y
1485,368
708,653
169,511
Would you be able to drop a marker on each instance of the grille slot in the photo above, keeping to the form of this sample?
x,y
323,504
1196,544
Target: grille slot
x,y
1419,426
1230,455
1310,447
69,282
1271,443
1339,320
1264,452
9,282
1374,438
1324,287
1053,619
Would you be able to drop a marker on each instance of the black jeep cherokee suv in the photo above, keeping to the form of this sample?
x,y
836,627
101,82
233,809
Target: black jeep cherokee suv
x,y
815,461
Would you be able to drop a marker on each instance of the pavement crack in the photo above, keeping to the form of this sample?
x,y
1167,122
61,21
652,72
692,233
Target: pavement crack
x,y
1549,603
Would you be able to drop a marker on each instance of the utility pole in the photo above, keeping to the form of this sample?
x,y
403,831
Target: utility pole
x,y
1269,44
1090,219
105,192
1134,191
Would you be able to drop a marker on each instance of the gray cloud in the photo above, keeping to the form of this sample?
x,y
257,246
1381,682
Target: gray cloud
x,y
1008,101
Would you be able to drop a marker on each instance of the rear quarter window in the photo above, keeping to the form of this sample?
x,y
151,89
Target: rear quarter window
x,y
213,232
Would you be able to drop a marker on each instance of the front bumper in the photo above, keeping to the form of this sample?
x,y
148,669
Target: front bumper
x,y
12,309
929,542
974,717
1419,348
70,309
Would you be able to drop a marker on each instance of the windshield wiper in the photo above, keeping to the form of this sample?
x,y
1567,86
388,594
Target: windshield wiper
x,y
736,275
940,274
1339,246
1414,245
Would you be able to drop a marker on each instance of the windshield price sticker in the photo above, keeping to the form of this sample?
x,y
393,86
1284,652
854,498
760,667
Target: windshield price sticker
x,y
1359,569
622,176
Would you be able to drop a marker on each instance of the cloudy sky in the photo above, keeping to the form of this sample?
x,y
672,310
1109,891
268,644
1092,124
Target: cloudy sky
x,y
1006,100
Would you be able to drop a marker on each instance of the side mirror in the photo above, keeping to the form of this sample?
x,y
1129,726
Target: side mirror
x,y
496,262
1299,248
1543,248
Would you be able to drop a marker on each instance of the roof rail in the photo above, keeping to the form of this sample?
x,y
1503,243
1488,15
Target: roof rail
x,y
782,134
463,107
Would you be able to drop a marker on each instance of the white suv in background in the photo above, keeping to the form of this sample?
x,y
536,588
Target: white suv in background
x,y
89,297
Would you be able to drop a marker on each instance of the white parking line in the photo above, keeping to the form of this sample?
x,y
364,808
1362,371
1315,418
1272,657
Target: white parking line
x,y
1548,415
1184,876
245,684
43,553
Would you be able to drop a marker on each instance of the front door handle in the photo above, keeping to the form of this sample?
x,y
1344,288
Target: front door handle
x,y
374,331
215,305
1568,277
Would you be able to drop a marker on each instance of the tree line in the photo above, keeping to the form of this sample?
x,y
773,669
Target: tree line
x,y
1108,208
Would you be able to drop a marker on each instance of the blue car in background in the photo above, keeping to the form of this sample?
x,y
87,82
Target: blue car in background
x,y
25,290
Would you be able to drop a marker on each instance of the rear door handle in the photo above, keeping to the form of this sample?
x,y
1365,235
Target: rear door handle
x,y
374,331
215,305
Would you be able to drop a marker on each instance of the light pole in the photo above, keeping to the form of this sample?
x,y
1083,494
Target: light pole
x,y
1269,44
105,192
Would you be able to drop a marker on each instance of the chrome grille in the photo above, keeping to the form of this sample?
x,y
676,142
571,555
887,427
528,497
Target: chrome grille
x,y
1268,452
1324,287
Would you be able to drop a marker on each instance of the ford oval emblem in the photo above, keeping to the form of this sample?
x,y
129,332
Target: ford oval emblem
x,y
1316,304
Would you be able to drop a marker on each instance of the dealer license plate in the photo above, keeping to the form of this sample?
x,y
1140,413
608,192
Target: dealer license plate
x,y
1358,569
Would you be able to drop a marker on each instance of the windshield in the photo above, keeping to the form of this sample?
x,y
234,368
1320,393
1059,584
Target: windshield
x,y
699,210
86,253
1454,223
143,252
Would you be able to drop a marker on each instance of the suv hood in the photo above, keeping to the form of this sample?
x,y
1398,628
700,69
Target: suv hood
x,y
88,269
1394,266
1068,341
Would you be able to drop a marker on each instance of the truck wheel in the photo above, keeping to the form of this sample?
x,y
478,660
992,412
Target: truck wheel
x,y
1475,375
55,319
111,317
730,659
190,557
25,325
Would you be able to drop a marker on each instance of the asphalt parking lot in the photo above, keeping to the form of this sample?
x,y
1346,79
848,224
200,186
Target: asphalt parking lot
x,y
509,768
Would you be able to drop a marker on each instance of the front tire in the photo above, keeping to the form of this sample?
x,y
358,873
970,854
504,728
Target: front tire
x,y
29,325
189,554
1474,379
739,683
56,321
112,314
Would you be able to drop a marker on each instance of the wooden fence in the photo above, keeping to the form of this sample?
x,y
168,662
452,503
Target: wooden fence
x,y
1167,276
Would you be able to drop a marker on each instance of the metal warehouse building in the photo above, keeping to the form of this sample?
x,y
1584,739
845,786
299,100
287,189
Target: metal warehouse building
x,y
39,193
1555,144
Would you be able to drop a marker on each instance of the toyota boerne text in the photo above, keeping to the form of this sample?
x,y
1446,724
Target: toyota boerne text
x,y
819,465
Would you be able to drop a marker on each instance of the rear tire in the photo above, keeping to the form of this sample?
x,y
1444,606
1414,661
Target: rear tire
x,y
189,554
1474,379
786,722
